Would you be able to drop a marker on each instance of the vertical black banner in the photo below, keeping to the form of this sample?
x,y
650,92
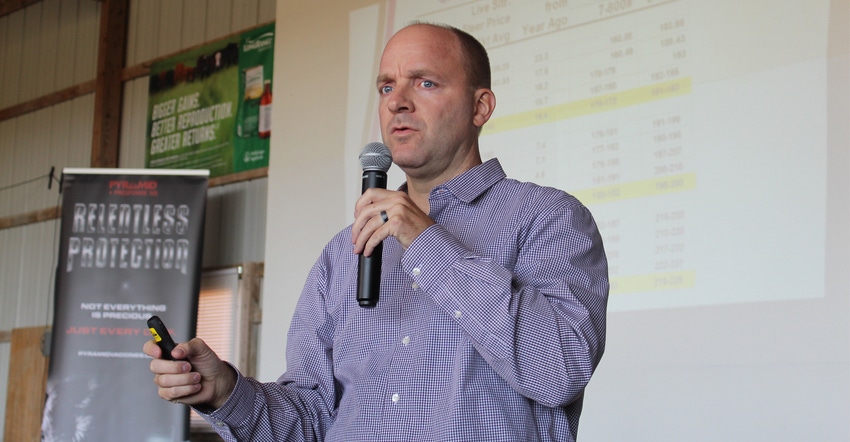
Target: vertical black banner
x,y
130,248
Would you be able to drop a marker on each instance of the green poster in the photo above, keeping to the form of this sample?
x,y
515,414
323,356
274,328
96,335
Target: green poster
x,y
210,107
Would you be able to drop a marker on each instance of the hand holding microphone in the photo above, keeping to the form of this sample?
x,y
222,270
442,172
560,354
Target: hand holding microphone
x,y
381,213
376,161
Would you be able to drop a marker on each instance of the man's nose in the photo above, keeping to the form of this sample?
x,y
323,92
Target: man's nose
x,y
400,100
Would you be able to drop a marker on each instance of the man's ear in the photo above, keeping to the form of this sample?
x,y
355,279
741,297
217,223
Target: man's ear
x,y
485,103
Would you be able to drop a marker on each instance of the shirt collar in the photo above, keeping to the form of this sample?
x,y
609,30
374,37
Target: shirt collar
x,y
471,184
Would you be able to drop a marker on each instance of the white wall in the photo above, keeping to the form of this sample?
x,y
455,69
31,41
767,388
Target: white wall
x,y
306,175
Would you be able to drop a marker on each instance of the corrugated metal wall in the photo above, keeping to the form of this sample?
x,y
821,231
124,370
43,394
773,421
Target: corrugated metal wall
x,y
52,45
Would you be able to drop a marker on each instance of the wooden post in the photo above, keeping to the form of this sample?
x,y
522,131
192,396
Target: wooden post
x,y
250,282
108,87
26,386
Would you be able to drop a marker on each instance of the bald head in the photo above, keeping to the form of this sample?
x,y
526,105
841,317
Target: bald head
x,y
473,55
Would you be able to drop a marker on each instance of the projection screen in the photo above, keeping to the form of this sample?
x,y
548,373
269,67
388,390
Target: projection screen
x,y
710,140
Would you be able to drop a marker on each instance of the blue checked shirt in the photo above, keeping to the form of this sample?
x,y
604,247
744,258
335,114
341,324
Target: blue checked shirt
x,y
488,328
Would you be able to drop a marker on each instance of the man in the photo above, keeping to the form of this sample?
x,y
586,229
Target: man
x,y
493,293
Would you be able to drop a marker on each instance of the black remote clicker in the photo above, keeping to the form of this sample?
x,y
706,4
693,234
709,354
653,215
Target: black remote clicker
x,y
161,337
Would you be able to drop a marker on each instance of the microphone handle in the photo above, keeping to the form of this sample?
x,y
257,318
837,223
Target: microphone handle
x,y
374,179
369,271
369,278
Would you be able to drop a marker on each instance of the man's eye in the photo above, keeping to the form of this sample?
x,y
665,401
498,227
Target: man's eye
x,y
386,89
427,83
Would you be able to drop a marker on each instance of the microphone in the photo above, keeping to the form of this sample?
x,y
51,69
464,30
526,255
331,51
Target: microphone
x,y
376,160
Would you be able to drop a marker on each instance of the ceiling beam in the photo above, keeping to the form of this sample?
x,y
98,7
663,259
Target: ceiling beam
x,y
9,6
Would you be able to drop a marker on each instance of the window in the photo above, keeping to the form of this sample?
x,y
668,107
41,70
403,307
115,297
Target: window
x,y
228,319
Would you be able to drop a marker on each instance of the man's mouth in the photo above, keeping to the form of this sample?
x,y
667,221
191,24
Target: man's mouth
x,y
399,127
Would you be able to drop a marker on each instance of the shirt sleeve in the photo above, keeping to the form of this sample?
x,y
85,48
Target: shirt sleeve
x,y
261,411
299,405
536,315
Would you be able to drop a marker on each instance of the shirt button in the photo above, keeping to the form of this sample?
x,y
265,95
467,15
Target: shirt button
x,y
395,398
416,271
406,340
414,286
458,314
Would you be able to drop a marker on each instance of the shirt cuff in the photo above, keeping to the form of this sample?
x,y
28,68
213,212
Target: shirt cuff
x,y
230,414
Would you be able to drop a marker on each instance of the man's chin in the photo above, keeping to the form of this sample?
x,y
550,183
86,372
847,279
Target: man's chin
x,y
401,145
402,137
406,162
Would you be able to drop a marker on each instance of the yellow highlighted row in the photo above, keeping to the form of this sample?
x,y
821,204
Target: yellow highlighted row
x,y
653,282
602,103
637,189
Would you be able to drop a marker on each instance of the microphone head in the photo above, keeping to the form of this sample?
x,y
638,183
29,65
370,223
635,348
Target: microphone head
x,y
376,156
